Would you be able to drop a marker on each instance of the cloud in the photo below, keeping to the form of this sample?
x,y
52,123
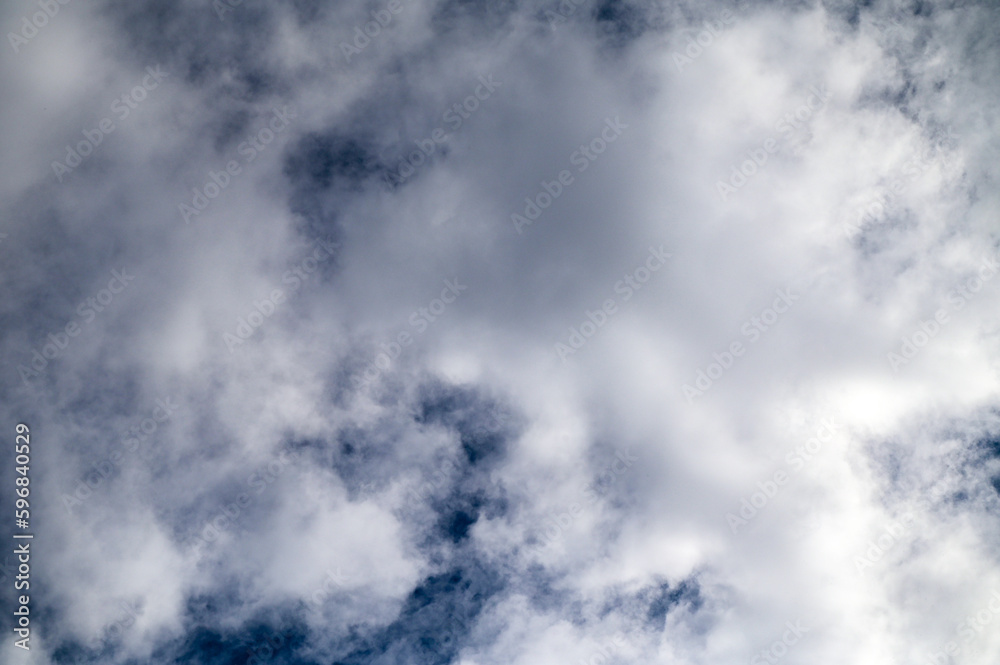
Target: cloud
x,y
348,249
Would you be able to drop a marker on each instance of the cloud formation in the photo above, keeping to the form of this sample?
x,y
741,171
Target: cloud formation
x,y
430,331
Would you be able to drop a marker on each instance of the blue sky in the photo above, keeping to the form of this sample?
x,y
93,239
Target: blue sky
x,y
526,333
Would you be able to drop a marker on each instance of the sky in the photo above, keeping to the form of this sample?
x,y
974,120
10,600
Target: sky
x,y
442,332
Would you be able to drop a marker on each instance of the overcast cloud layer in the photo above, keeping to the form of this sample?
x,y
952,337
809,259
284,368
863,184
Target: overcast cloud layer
x,y
503,333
